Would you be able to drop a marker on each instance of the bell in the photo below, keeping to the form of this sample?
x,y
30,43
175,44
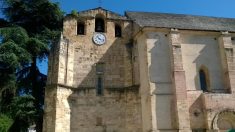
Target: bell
x,y
99,25
80,31
99,28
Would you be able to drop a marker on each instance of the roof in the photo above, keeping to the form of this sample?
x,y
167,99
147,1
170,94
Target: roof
x,y
109,14
179,21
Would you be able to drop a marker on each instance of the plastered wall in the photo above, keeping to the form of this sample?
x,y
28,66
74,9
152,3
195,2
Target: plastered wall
x,y
201,51
155,80
159,65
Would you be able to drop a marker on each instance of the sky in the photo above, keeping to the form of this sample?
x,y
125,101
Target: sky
x,y
216,8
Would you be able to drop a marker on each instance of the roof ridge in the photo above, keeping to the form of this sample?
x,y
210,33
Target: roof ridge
x,y
166,13
102,9
182,21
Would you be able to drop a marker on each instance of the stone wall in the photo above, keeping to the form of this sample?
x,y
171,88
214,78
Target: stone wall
x,y
150,82
117,111
214,105
175,96
115,53
72,103
79,110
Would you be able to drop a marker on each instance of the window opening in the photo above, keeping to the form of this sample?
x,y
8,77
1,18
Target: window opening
x,y
99,73
203,82
99,86
99,68
80,29
118,31
99,25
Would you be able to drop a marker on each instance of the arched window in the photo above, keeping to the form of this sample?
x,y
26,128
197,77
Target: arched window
x,y
118,31
99,25
203,83
80,28
204,79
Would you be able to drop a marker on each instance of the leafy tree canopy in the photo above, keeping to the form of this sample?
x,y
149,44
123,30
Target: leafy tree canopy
x,y
34,15
31,26
5,122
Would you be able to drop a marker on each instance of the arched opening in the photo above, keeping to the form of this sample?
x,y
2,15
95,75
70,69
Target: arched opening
x,y
204,79
80,28
203,83
99,25
224,120
118,31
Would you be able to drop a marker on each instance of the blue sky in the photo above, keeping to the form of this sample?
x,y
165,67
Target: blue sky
x,y
217,8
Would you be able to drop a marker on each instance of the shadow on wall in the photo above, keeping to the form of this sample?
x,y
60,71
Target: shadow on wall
x,y
160,77
208,77
209,74
104,98
198,113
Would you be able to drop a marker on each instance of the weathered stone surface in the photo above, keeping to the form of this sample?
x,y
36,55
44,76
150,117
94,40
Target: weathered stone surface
x,y
150,77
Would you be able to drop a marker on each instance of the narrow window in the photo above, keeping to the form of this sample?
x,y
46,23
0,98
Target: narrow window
x,y
99,25
80,29
203,82
100,68
99,86
118,31
99,74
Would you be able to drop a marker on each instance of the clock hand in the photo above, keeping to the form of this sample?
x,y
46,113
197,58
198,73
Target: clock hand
x,y
101,39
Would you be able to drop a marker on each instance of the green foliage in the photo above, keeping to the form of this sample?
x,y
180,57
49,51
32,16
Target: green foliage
x,y
37,48
5,123
13,55
74,13
34,15
37,26
23,107
23,112
8,81
49,36
18,72
16,34
231,130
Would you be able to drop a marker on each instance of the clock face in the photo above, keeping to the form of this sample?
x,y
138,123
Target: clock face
x,y
99,39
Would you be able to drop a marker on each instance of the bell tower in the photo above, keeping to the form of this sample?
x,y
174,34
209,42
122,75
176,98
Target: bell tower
x,y
91,84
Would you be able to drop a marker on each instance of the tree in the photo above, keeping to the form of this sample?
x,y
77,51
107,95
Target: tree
x,y
23,111
15,59
34,15
12,56
3,23
5,122
42,21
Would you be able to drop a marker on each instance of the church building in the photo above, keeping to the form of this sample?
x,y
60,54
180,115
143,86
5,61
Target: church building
x,y
141,72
